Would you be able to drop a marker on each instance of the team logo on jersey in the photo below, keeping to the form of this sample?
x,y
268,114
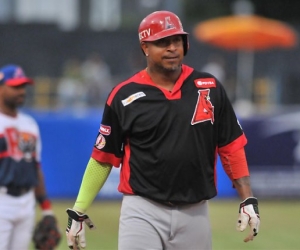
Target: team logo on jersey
x,y
132,98
105,130
204,110
27,144
205,83
100,142
20,145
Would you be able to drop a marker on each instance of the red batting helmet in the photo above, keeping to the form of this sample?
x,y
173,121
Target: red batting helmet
x,y
161,24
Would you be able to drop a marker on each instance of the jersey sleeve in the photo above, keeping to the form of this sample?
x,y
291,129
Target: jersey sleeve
x,y
108,147
230,133
34,128
231,141
235,164
38,146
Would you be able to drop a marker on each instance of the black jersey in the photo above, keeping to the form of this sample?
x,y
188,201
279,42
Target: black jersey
x,y
167,142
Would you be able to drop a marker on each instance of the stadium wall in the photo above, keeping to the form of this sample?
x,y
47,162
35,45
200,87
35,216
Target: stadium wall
x,y
272,153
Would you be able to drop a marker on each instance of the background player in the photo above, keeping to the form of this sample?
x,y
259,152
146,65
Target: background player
x,y
21,176
165,126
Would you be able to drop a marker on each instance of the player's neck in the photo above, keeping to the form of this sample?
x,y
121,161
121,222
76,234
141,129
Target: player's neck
x,y
8,111
164,79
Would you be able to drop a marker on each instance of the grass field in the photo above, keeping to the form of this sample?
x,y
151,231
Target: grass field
x,y
280,225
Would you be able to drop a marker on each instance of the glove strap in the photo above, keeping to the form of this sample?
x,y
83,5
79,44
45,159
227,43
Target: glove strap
x,y
80,218
250,201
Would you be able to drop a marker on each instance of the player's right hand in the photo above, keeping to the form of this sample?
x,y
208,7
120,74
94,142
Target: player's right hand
x,y
75,230
248,214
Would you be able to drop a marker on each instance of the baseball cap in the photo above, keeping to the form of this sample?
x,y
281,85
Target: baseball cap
x,y
13,75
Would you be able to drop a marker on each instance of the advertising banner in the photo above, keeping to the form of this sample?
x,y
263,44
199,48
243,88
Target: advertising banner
x,y
273,154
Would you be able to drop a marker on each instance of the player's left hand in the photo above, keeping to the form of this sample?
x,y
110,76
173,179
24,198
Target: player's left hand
x,y
75,230
248,214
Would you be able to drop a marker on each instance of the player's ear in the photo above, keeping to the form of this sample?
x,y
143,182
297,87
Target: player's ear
x,y
144,47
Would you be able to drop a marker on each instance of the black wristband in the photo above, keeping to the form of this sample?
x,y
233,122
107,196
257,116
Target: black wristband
x,y
75,216
41,198
250,201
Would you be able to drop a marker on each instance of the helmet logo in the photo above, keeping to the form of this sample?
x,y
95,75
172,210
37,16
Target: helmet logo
x,y
144,34
168,23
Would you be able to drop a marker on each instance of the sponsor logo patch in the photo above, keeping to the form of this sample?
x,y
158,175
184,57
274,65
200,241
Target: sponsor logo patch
x,y
132,98
105,130
100,142
205,83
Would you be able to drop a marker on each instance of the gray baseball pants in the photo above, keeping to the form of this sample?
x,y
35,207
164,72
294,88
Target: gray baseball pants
x,y
145,225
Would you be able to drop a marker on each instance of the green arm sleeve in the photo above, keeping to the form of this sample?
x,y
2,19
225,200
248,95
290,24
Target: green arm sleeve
x,y
94,177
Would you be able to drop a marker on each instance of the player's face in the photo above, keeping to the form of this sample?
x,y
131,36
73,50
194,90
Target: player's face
x,y
165,54
12,97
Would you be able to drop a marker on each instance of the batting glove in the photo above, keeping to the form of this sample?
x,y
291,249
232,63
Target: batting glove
x,y
75,230
248,214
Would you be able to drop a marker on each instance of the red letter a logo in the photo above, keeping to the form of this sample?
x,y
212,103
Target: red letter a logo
x,y
204,110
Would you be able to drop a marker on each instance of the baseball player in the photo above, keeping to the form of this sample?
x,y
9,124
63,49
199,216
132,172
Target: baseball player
x,y
21,177
164,127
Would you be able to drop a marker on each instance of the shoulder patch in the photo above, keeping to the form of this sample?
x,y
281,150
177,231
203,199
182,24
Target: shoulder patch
x,y
132,98
100,142
205,82
105,130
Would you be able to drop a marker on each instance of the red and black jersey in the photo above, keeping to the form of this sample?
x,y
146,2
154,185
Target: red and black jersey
x,y
167,142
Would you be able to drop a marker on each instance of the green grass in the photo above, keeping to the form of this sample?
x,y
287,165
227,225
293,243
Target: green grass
x,y
279,228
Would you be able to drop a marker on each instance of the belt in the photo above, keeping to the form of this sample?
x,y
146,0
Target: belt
x,y
173,204
166,203
15,191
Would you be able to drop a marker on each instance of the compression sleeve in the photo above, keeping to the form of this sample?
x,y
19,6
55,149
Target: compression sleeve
x,y
94,177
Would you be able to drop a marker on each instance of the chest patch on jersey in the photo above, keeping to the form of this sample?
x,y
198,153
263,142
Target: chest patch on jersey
x,y
204,110
205,82
132,98
21,145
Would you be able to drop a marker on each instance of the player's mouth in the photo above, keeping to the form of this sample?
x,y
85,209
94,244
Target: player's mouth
x,y
171,58
20,99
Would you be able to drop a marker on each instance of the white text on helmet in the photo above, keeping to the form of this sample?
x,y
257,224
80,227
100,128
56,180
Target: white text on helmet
x,y
144,34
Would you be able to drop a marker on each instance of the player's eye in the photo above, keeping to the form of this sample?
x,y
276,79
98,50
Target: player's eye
x,y
165,42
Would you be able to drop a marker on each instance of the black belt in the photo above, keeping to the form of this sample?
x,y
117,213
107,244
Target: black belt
x,y
169,203
17,191
173,204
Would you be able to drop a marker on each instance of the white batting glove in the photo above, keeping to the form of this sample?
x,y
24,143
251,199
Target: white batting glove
x,y
75,230
248,214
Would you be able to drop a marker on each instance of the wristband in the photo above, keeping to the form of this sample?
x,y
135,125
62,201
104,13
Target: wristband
x,y
44,202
